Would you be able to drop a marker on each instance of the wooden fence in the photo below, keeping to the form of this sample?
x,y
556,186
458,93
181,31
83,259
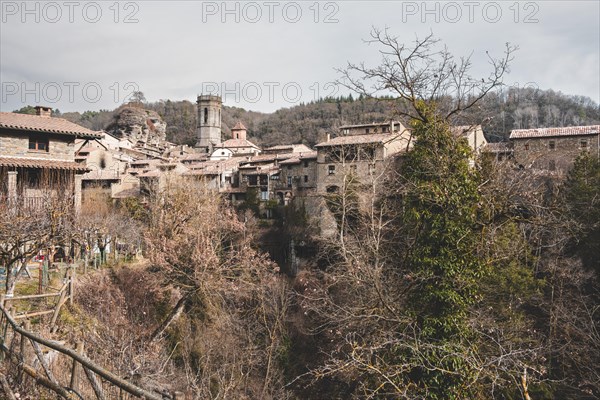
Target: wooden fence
x,y
50,360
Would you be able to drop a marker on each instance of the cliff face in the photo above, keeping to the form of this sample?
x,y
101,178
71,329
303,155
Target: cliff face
x,y
139,125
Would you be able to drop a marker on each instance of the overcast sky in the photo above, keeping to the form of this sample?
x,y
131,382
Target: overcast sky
x,y
262,56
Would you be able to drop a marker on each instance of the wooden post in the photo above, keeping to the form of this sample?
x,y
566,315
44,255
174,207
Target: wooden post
x,y
61,301
76,368
43,362
23,352
71,286
95,384
6,388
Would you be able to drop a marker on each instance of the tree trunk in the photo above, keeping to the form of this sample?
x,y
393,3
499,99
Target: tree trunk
x,y
173,315
11,278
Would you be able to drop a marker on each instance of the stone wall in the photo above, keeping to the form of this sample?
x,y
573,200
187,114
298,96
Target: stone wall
x,y
16,144
306,168
552,153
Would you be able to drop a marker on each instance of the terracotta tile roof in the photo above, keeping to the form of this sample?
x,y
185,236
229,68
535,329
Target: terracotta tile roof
x,y
238,126
201,172
265,170
18,162
127,193
551,132
195,157
372,124
36,123
301,157
237,143
151,161
150,174
213,167
360,139
295,148
269,157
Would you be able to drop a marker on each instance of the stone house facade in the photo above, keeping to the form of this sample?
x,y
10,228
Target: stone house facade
x,y
37,152
297,177
361,156
553,149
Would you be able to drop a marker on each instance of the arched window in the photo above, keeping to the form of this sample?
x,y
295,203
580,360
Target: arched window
x,y
205,115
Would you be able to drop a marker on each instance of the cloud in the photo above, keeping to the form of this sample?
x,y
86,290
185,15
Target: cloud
x,y
176,49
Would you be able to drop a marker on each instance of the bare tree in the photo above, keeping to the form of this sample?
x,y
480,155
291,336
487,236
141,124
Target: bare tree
x,y
101,223
34,222
424,71
230,319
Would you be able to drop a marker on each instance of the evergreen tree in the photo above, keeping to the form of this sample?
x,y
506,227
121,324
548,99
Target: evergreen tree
x,y
439,212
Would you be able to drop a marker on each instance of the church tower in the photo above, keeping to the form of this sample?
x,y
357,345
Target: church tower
x,y
209,122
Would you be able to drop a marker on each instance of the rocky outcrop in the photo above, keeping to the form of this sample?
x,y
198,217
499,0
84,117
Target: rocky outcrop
x,y
139,125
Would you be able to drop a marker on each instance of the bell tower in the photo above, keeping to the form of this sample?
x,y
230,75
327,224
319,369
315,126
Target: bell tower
x,y
209,122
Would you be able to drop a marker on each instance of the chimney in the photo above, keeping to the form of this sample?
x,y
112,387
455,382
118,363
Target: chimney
x,y
43,111
323,137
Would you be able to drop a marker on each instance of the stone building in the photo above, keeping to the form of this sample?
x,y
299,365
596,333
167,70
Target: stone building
x,y
37,152
209,122
352,159
375,127
362,156
237,146
287,149
553,149
297,177
500,151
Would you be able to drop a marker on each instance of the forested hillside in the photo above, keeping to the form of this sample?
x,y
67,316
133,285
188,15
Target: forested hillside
x,y
500,111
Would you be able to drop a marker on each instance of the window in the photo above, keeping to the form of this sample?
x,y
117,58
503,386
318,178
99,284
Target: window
x,y
385,129
367,130
552,145
289,181
305,178
331,169
552,165
38,143
526,146
34,178
205,115
583,144
305,164
264,195
289,167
